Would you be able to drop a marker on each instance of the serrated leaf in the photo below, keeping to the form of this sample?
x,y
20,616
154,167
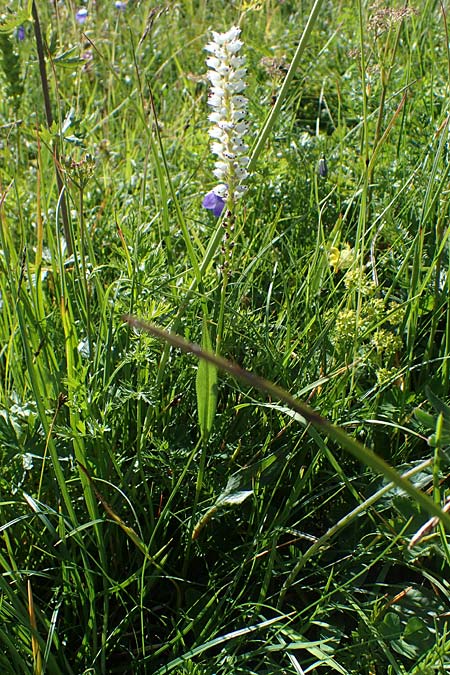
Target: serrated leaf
x,y
206,387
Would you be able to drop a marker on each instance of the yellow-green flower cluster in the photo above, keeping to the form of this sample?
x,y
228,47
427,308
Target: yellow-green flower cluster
x,y
346,327
379,346
386,342
384,375
356,280
373,331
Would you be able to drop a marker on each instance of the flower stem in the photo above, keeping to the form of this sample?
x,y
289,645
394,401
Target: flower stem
x,y
49,118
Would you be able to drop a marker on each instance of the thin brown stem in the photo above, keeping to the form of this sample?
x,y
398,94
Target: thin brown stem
x,y
49,119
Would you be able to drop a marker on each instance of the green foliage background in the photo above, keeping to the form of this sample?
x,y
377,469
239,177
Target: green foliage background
x,y
339,294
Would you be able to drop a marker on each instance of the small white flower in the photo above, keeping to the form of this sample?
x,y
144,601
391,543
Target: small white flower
x,y
217,132
217,148
241,173
230,36
83,348
215,100
221,190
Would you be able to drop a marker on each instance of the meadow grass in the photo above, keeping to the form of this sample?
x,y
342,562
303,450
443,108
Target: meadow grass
x,y
163,509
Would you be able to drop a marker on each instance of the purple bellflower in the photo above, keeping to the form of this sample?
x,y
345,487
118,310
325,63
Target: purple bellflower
x,y
81,15
213,203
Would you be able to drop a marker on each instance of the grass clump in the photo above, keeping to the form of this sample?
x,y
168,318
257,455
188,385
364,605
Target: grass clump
x,y
162,513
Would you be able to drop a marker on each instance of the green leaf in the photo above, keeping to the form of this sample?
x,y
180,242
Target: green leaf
x,y
69,58
206,387
438,405
236,498
417,631
232,495
409,641
439,425
391,628
425,419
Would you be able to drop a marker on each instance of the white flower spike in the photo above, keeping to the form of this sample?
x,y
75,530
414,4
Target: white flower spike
x,y
229,105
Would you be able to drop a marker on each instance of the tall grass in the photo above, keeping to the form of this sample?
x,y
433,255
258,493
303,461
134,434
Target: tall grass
x,y
157,517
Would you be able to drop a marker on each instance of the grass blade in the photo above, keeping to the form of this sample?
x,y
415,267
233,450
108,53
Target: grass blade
x,y
359,451
206,387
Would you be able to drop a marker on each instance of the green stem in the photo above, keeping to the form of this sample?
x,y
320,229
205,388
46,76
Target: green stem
x,y
84,275
198,488
228,225
271,119
340,525
221,320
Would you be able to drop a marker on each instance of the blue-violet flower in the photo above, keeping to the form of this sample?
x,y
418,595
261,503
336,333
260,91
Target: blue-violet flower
x,y
81,15
213,203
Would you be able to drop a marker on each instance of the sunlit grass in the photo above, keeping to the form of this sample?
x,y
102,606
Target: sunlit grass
x,y
157,517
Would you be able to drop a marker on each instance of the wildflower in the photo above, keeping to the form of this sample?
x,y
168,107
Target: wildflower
x,y
341,259
385,375
81,15
354,279
384,18
275,67
374,310
396,314
83,348
345,328
20,33
229,108
80,171
121,6
213,203
386,342
357,280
